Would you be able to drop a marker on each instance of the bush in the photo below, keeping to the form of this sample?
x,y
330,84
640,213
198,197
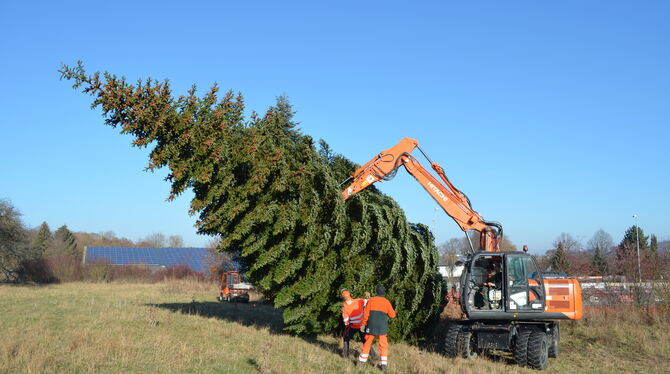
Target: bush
x,y
37,271
100,271
65,268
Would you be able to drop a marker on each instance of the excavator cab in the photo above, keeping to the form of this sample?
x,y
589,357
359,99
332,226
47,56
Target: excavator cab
x,y
500,285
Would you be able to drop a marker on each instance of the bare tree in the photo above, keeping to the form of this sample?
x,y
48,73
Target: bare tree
x,y
156,240
175,241
568,243
600,240
506,245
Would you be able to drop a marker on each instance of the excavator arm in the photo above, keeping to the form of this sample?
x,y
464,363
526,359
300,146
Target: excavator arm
x,y
455,203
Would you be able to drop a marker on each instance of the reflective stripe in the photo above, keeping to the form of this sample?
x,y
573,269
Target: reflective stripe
x,y
365,355
357,318
384,358
362,359
346,319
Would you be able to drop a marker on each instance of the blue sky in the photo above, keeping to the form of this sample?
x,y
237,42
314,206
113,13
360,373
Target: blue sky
x,y
552,116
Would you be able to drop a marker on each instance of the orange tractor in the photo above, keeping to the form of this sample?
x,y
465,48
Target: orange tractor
x,y
232,287
506,302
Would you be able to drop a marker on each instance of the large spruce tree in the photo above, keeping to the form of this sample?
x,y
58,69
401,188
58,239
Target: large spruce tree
x,y
263,188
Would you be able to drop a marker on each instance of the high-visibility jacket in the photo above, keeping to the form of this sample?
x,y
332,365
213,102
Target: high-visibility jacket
x,y
352,312
376,315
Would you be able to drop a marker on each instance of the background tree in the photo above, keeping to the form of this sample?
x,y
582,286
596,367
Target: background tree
x,y
567,242
14,247
506,245
43,240
627,256
598,262
263,187
653,244
65,242
155,240
600,240
559,260
631,237
175,241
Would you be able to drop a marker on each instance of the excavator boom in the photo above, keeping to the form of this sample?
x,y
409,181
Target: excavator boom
x,y
455,203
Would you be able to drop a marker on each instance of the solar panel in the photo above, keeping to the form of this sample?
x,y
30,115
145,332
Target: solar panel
x,y
194,258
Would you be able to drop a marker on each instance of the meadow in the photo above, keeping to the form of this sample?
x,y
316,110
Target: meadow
x,y
178,326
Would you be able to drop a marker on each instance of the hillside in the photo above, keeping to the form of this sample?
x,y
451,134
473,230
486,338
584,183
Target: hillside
x,y
178,327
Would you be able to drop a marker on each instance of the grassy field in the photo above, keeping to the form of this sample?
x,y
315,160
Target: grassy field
x,y
178,327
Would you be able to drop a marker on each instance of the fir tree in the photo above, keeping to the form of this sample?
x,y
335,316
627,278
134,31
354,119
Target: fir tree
x,y
65,241
630,240
43,240
653,245
598,262
559,261
264,189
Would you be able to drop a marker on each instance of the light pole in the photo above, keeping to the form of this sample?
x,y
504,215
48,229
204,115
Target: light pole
x,y
637,243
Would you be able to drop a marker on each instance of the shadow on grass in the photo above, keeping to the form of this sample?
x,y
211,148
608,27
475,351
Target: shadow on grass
x,y
254,314
247,314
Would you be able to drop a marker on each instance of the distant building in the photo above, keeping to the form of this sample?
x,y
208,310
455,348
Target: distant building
x,y
194,258
453,271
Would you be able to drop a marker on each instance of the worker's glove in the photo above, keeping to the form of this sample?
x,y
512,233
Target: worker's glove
x,y
362,328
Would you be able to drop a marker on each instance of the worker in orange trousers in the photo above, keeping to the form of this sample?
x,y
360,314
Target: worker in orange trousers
x,y
377,312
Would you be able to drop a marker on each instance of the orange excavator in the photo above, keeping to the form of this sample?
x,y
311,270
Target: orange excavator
x,y
506,302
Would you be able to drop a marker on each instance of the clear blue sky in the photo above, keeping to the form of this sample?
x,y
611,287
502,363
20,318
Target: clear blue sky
x,y
552,116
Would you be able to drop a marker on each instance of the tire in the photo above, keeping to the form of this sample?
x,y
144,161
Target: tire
x,y
538,350
466,344
450,348
521,347
555,341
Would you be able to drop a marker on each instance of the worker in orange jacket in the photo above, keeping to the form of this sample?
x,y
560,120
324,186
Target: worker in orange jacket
x,y
375,323
352,316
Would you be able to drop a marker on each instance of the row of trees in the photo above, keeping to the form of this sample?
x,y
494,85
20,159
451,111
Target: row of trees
x,y
600,256
23,252
41,255
603,257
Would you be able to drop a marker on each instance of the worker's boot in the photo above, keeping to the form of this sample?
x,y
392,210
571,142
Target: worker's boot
x,y
383,367
345,350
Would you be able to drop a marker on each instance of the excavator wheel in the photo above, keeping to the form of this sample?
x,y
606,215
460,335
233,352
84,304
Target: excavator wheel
x,y
466,344
450,340
555,341
538,350
521,347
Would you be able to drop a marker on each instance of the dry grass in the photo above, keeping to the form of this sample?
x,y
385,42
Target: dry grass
x,y
178,327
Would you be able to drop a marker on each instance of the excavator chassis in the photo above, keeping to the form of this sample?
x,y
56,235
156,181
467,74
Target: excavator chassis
x,y
530,342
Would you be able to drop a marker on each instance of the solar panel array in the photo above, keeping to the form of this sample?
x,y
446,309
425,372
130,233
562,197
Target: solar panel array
x,y
194,258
